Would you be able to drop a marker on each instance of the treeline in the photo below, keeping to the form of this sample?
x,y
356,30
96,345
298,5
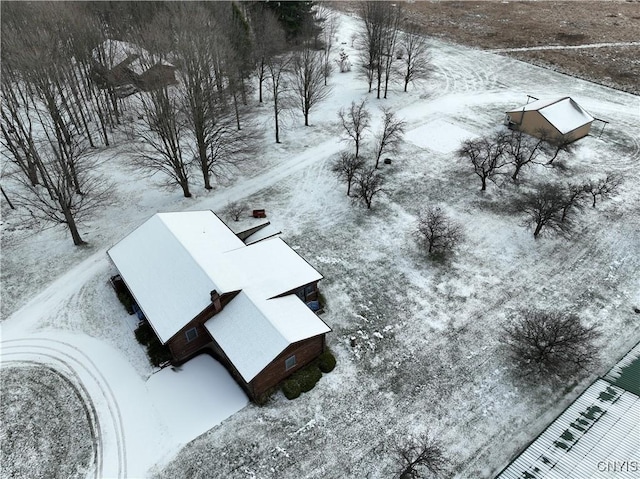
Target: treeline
x,y
69,70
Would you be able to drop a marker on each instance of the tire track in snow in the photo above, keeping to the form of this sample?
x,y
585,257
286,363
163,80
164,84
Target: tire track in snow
x,y
28,347
565,47
80,390
50,299
262,181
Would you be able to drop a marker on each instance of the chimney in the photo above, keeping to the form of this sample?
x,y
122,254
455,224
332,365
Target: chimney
x,y
215,299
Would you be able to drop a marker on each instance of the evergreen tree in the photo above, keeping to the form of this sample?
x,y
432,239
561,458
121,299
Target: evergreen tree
x,y
295,17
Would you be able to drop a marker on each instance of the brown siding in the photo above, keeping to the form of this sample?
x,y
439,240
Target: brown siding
x,y
219,354
515,116
305,352
312,296
178,344
534,123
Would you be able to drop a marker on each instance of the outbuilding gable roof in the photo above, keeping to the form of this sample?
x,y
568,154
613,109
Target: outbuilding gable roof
x,y
564,113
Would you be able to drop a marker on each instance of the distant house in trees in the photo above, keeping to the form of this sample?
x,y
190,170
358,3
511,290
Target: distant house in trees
x,y
559,119
120,65
201,287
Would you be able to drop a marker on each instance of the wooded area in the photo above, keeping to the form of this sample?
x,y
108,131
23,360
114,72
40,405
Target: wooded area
x,y
178,76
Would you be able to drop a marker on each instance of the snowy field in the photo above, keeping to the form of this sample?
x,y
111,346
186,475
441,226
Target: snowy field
x,y
428,354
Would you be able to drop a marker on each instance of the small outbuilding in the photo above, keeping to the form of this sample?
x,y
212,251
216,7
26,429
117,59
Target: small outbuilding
x,y
201,287
560,119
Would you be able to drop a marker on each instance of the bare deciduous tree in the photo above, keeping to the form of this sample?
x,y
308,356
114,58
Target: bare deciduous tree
x,y
355,121
486,154
235,209
309,80
193,43
603,187
278,68
63,197
563,144
416,59
16,125
391,134
228,147
439,233
269,40
573,193
163,149
329,21
415,455
368,183
381,21
346,167
521,150
551,345
545,208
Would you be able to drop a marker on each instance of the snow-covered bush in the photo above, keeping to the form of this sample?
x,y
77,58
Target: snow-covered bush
x,y
291,389
307,377
326,361
144,334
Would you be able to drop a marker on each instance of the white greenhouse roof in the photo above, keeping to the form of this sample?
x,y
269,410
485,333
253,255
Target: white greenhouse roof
x,y
564,114
173,261
253,331
601,427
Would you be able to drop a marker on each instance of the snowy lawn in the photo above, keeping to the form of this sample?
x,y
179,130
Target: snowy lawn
x,y
428,352
203,389
439,135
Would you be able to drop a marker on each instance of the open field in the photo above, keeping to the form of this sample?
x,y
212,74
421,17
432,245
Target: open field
x,y
429,352
496,25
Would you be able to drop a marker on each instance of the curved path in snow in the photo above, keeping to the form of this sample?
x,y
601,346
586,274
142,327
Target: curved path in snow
x,y
567,47
18,346
93,387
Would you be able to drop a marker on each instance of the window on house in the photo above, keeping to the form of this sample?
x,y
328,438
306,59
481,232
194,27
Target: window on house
x,y
191,334
290,362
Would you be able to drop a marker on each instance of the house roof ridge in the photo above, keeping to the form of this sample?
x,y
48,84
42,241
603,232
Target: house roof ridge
x,y
189,252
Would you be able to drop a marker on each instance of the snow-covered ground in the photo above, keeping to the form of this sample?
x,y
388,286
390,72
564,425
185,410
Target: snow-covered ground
x,y
428,352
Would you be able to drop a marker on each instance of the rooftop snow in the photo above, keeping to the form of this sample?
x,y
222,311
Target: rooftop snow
x,y
253,330
173,261
270,266
153,262
564,114
112,53
601,427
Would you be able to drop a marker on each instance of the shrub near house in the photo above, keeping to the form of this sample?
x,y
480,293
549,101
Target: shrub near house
x,y
202,288
305,379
